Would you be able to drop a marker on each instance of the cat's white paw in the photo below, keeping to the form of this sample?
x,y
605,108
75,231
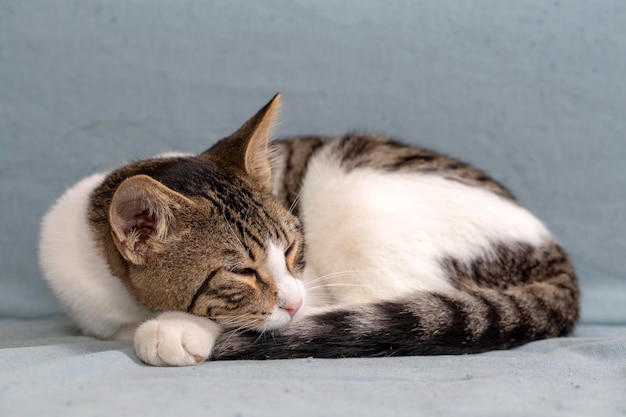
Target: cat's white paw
x,y
176,339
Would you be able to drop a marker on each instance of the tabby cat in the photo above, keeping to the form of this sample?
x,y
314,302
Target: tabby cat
x,y
311,246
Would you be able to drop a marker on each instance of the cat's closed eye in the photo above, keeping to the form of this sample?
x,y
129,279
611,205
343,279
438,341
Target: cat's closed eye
x,y
249,272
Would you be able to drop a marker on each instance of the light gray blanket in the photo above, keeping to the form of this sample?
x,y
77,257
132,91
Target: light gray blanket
x,y
47,369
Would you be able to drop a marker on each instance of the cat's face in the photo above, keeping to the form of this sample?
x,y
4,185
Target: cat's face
x,y
204,235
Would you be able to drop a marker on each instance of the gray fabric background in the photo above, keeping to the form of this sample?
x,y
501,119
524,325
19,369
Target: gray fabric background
x,y
533,91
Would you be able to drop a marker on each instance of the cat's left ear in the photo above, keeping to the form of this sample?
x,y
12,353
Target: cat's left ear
x,y
246,150
144,218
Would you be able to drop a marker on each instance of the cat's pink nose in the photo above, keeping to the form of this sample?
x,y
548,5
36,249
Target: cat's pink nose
x,y
292,306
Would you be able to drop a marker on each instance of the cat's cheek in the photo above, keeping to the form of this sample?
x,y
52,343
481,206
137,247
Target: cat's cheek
x,y
176,339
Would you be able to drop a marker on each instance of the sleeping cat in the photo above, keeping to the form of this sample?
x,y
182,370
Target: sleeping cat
x,y
312,246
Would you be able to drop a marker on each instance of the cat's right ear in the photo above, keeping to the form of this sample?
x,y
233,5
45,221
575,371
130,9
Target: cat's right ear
x,y
246,150
143,218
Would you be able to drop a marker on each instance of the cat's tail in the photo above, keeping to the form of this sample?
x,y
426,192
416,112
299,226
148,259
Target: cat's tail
x,y
469,320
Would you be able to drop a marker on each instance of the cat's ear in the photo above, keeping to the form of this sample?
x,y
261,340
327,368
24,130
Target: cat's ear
x,y
143,217
246,150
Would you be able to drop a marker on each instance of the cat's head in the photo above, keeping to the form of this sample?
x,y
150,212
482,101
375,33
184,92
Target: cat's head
x,y
203,233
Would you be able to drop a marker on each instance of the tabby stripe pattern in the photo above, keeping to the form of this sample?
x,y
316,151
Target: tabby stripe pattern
x,y
201,290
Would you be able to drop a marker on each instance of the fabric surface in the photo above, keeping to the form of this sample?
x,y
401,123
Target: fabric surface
x,y
46,369
533,92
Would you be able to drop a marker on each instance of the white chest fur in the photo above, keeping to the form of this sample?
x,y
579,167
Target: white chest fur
x,y
95,299
380,235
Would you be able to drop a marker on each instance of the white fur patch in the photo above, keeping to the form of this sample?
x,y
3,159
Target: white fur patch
x,y
80,278
378,235
290,290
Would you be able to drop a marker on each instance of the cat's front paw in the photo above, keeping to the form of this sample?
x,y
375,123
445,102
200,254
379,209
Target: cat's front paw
x,y
176,339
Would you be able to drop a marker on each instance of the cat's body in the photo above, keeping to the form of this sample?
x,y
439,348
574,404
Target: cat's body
x,y
407,252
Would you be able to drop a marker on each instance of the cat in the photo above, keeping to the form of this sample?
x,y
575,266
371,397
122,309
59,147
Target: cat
x,y
310,246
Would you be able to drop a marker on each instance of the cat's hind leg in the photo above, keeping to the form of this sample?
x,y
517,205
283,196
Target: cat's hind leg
x,y
175,338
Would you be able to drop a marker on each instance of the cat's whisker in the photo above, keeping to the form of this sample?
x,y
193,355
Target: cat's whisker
x,y
334,285
229,319
234,332
245,217
226,323
319,297
261,333
243,246
337,274
295,202
314,306
230,335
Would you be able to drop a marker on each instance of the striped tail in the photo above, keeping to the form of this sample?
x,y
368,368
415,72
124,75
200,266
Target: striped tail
x,y
470,320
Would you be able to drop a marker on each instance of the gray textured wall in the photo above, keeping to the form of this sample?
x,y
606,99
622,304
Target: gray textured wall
x,y
533,91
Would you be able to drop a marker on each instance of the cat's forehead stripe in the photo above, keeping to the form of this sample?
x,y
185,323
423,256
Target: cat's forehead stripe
x,y
252,222
240,206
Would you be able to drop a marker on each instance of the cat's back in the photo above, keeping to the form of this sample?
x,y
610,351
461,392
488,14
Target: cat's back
x,y
366,151
375,205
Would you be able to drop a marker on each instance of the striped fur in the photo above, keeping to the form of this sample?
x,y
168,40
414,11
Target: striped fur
x,y
308,246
